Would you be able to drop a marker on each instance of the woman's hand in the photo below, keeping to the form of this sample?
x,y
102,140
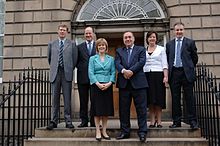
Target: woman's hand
x,y
107,85
101,86
165,81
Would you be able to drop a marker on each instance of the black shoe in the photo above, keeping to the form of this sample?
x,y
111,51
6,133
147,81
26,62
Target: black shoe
x,y
51,126
142,138
83,125
122,136
70,126
92,125
106,137
194,126
98,139
175,125
151,126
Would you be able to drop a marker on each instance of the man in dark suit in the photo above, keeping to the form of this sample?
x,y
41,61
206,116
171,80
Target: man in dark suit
x,y
182,58
85,51
132,83
62,58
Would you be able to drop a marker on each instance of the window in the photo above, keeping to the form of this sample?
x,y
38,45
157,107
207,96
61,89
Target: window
x,y
120,10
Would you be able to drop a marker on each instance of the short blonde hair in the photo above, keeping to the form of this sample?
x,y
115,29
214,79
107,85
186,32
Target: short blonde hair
x,y
99,41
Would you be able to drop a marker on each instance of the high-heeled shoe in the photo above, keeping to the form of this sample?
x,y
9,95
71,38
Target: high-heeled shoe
x,y
106,137
152,126
98,139
159,126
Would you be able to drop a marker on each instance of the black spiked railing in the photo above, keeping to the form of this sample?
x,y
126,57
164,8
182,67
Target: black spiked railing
x,y
24,106
207,93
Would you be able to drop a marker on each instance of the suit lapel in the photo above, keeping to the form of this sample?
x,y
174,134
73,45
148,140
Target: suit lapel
x,y
93,49
85,50
125,56
183,44
106,61
57,45
66,44
173,49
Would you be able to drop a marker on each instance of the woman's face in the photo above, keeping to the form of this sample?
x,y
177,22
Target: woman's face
x,y
152,39
102,48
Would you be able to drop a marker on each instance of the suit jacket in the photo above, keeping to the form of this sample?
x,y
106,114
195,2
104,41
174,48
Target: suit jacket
x,y
137,61
188,55
101,71
83,63
70,55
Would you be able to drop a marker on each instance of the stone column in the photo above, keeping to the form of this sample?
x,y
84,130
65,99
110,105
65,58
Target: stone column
x,y
2,27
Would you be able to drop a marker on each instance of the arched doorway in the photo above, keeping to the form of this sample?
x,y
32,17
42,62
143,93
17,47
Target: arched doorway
x,y
110,18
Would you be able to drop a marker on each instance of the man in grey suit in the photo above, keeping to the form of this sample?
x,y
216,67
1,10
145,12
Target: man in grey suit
x,y
85,51
62,58
182,59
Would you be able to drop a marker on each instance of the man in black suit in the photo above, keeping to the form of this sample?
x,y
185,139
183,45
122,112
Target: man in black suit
x,y
132,83
85,51
182,58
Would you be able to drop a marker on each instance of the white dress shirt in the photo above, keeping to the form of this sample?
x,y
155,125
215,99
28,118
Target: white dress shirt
x,y
157,61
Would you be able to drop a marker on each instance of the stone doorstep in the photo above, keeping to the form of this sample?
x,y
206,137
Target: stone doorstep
x,y
113,130
114,142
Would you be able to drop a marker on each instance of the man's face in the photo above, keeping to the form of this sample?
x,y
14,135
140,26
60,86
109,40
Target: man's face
x,y
179,30
62,32
128,39
89,34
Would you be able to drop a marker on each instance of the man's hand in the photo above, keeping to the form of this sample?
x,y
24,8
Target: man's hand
x,y
127,74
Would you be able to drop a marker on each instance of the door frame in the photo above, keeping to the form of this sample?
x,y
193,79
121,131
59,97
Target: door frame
x,y
115,30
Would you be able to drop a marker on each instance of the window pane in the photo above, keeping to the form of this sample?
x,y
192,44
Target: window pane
x,y
120,9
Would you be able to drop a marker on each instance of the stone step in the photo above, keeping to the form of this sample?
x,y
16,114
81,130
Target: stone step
x,y
113,130
114,142
90,132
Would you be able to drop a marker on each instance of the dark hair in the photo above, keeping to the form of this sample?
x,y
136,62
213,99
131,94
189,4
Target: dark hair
x,y
178,23
149,34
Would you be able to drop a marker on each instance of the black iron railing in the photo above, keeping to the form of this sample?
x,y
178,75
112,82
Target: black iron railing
x,y
207,93
24,106
27,105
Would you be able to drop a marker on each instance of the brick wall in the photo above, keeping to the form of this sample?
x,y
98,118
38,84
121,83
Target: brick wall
x,y
31,24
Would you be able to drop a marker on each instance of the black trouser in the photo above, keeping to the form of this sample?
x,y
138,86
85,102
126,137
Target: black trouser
x,y
178,80
140,102
84,94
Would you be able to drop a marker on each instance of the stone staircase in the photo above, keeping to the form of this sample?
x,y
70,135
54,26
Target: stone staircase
x,y
165,136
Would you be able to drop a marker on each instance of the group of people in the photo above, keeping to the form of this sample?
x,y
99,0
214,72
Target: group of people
x,y
143,74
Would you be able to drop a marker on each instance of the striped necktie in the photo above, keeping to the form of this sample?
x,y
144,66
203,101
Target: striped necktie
x,y
61,54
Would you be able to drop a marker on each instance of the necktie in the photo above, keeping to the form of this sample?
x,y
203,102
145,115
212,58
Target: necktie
x,y
61,54
129,55
178,53
90,47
